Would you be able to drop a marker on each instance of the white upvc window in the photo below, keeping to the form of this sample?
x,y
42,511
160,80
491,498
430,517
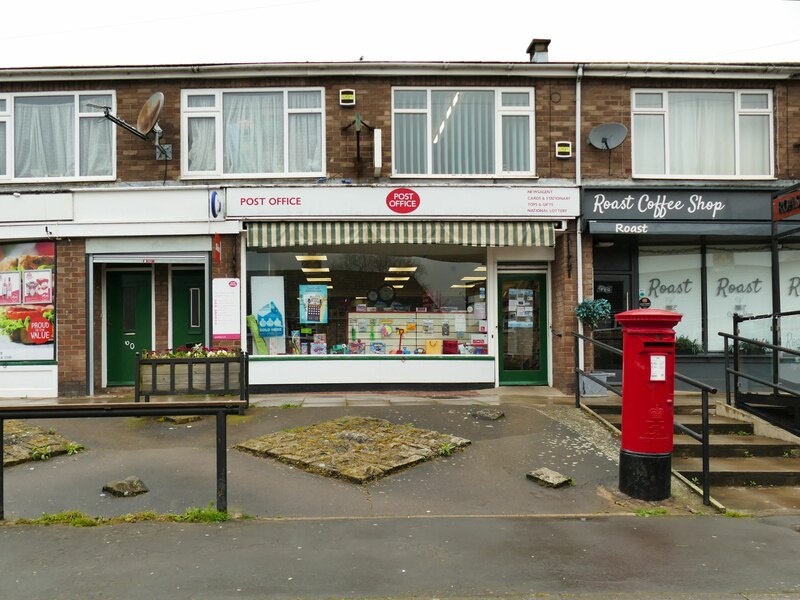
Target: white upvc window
x,y
463,132
260,132
57,136
703,134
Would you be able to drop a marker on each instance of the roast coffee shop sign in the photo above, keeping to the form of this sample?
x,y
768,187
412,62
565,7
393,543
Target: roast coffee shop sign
x,y
674,205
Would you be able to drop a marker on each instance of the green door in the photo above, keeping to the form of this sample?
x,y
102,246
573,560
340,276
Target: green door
x,y
188,308
129,323
523,329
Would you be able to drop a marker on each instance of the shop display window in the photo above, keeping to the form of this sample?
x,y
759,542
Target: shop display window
x,y
354,300
670,276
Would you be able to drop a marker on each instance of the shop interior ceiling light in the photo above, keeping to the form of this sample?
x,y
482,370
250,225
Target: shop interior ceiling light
x,y
466,285
311,257
480,269
396,278
315,270
402,269
473,278
318,279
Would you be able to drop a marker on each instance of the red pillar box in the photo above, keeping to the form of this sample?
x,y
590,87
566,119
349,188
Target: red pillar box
x,y
648,394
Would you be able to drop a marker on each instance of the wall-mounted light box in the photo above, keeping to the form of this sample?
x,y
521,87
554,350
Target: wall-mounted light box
x,y
347,97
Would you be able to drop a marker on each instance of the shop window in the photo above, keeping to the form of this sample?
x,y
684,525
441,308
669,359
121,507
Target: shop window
x,y
463,132
322,301
706,134
789,257
670,276
253,132
739,280
56,136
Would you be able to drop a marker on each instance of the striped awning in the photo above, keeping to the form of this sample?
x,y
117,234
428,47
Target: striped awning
x,y
461,233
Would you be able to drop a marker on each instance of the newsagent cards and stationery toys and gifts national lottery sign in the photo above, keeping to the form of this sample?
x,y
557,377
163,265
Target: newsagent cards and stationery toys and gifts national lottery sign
x,y
27,312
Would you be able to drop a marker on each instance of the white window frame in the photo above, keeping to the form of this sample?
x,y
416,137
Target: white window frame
x,y
7,116
500,112
215,112
738,113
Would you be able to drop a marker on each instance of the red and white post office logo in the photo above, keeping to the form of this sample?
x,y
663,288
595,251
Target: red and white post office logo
x,y
403,200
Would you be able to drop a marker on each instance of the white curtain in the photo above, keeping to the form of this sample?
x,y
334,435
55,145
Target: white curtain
x,y
411,143
305,133
3,158
463,132
516,144
202,144
701,133
648,145
754,144
44,135
95,147
253,125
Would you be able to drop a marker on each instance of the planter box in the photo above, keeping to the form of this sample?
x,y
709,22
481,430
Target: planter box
x,y
218,376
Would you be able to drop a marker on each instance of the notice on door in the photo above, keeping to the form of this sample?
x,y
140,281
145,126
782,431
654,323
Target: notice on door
x,y
226,309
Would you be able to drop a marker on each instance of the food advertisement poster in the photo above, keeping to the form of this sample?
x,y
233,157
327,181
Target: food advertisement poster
x,y
27,313
314,304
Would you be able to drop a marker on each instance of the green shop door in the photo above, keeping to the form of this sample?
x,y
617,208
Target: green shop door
x,y
188,308
129,321
523,329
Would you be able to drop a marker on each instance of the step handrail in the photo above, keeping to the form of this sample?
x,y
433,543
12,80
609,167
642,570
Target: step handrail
x,y
705,389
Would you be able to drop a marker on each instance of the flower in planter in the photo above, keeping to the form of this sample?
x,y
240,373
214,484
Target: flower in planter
x,y
191,351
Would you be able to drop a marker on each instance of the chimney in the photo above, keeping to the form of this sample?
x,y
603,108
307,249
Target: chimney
x,y
537,50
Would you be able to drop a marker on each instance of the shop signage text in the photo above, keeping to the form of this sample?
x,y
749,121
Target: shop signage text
x,y
663,205
440,201
656,287
786,205
659,206
403,200
726,288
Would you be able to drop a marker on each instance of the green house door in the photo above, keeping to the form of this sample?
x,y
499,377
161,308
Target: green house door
x,y
523,329
188,308
129,323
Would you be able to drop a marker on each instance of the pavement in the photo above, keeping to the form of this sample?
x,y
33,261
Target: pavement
x,y
468,525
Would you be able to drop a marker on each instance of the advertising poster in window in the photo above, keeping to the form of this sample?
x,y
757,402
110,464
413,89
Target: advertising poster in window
x,y
27,314
520,308
226,314
267,323
314,304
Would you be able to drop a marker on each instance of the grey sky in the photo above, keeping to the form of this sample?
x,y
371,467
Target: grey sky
x,y
57,33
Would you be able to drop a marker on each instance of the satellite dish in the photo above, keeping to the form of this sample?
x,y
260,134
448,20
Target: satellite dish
x,y
608,135
148,116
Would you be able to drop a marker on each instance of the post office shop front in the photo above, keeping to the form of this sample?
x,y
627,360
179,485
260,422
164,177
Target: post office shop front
x,y
393,301
704,253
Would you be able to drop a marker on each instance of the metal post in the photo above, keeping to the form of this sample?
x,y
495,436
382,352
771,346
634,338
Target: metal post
x,y
706,451
727,373
576,355
222,464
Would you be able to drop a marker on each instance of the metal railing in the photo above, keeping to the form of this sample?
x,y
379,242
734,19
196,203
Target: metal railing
x,y
705,390
779,393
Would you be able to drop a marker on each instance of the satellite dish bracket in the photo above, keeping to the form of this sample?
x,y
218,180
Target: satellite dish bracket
x,y
147,122
114,119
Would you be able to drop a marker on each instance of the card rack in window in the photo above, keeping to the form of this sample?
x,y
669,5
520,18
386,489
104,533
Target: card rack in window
x,y
254,132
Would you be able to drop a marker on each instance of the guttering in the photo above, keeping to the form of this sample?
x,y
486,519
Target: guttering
x,y
404,69
579,221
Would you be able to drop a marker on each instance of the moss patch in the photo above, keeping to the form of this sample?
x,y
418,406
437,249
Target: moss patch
x,y
356,449
23,442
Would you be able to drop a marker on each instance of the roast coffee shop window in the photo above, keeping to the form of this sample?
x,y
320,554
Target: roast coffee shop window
x,y
322,301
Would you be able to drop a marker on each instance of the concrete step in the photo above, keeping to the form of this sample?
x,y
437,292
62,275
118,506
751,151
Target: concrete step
x,y
747,472
736,446
717,425
682,406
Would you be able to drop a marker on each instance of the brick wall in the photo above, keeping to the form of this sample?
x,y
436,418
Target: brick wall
x,y
70,287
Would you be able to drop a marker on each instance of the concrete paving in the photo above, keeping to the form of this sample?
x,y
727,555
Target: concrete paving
x,y
466,525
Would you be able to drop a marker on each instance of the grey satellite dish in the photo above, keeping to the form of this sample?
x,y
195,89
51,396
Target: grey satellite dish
x,y
608,135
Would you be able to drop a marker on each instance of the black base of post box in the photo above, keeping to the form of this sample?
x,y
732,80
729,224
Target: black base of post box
x,y
645,476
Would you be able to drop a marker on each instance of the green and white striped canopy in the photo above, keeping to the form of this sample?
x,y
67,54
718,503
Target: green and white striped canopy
x,y
461,233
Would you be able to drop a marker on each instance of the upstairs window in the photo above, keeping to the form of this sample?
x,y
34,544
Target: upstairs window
x,y
253,133
471,132
56,136
702,134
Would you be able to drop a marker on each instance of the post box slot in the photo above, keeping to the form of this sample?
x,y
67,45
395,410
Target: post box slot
x,y
658,344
